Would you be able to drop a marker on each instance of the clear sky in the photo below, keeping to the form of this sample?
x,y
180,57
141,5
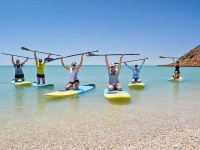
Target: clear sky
x,y
149,27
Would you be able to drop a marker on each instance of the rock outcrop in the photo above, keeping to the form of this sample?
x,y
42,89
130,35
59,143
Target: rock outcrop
x,y
190,59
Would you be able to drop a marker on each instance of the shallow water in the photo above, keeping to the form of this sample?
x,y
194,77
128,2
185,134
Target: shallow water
x,y
17,101
160,104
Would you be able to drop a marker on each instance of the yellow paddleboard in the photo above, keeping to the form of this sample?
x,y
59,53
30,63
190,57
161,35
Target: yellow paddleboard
x,y
136,85
115,94
21,83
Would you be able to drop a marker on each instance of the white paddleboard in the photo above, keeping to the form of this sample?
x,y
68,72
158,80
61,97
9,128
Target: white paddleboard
x,y
176,80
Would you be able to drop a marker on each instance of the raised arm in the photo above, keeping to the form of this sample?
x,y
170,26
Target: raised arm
x,y
128,66
81,62
25,61
174,62
35,55
66,67
120,62
13,60
142,64
106,60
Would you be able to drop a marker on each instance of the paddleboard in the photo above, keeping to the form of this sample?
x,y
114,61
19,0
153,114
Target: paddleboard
x,y
176,80
41,85
115,94
20,82
136,84
71,92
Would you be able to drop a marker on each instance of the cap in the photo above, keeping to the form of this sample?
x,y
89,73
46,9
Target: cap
x,y
112,64
73,63
40,60
17,60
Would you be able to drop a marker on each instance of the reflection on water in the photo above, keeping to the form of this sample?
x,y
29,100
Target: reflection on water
x,y
40,96
176,91
120,101
19,98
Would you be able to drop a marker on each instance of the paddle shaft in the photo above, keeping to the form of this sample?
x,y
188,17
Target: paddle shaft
x,y
132,60
26,49
169,57
109,54
52,59
16,55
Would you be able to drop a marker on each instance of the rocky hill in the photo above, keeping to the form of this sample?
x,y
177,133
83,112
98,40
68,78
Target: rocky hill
x,y
190,59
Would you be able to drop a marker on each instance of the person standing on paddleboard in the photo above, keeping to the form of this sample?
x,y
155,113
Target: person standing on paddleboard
x,y
177,67
40,68
18,69
136,72
113,74
74,81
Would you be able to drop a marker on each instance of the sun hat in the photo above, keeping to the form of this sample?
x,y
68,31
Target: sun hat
x,y
112,64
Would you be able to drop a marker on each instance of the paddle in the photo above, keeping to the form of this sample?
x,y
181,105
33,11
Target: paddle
x,y
132,60
168,57
26,49
16,55
92,54
52,59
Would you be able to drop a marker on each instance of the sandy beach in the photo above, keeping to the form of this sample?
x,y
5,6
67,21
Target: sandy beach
x,y
160,127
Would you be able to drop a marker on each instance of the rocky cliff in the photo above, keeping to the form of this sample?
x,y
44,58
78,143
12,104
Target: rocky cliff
x,y
190,59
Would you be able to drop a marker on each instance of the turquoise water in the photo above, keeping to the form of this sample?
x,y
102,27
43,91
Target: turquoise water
x,y
28,101
160,112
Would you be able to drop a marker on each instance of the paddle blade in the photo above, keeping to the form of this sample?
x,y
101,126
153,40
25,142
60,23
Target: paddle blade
x,y
24,48
48,59
161,57
90,54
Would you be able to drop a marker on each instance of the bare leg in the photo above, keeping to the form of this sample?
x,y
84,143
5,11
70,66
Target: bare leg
x,y
110,87
16,79
23,79
43,80
75,85
119,87
68,86
139,81
133,80
38,80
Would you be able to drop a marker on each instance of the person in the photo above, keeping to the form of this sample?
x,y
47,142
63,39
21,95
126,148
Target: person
x,y
73,81
40,68
176,75
113,74
177,67
18,69
136,72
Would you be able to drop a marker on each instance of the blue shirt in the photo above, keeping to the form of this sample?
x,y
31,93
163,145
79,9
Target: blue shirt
x,y
136,72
